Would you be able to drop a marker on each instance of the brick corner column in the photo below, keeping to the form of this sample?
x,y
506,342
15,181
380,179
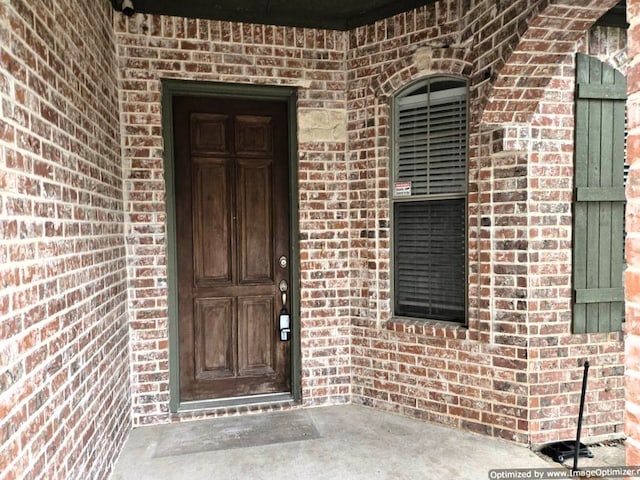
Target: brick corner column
x,y
632,279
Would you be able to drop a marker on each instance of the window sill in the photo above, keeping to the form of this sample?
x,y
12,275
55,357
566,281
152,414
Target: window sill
x,y
435,328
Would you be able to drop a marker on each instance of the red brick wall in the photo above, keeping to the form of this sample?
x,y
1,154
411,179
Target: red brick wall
x,y
65,214
514,372
632,282
64,376
557,356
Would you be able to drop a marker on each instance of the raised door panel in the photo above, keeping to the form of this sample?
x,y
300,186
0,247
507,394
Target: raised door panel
x,y
255,215
256,329
212,213
254,135
214,337
209,133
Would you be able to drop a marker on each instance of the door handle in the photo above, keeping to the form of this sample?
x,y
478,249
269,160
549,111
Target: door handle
x,y
284,287
284,320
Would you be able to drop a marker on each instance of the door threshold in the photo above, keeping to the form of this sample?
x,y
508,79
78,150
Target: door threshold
x,y
246,401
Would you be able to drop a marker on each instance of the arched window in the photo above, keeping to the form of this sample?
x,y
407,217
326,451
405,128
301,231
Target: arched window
x,y
429,199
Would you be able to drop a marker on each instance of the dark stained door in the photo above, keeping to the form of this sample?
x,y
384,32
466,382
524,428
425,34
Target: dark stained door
x,y
232,215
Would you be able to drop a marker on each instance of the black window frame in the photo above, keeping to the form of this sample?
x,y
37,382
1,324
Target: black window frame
x,y
435,88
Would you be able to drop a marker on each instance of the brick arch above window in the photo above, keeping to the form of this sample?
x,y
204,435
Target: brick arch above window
x,y
548,44
424,62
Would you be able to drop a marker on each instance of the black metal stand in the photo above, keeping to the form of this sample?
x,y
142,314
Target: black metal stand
x,y
561,451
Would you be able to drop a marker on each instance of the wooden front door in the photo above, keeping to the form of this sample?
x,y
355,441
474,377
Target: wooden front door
x,y
232,218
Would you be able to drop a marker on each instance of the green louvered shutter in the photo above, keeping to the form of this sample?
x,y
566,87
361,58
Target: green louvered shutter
x,y
598,220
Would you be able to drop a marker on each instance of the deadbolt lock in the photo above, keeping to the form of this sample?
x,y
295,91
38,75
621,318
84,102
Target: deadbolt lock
x,y
283,261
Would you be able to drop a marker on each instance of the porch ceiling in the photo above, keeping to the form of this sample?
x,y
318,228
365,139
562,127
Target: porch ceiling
x,y
329,14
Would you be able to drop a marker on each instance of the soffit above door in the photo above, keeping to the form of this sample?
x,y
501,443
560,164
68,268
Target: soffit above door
x,y
329,14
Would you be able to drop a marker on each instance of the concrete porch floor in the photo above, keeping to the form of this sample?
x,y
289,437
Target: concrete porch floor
x,y
337,442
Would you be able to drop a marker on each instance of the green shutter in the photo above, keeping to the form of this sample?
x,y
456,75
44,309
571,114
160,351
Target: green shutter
x,y
598,217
